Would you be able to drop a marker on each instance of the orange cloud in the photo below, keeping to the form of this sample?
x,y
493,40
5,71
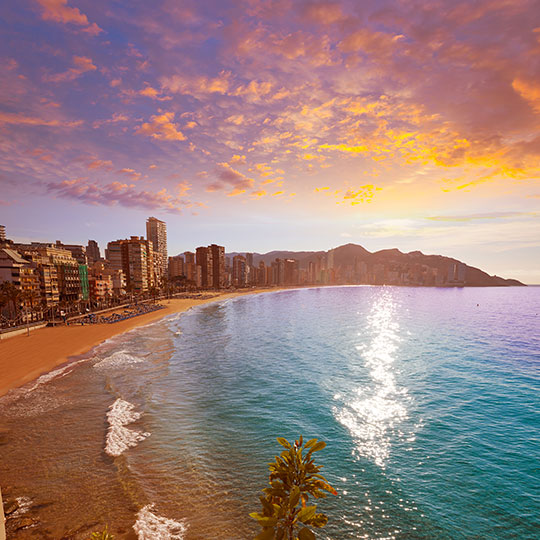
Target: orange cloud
x,y
529,91
161,127
150,92
82,64
236,119
59,11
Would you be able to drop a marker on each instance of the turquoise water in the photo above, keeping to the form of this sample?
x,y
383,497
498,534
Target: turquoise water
x,y
428,400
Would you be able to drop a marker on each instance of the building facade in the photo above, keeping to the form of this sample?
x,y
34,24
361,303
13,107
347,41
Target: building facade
x,y
156,232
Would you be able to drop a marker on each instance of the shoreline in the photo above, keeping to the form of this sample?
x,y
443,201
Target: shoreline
x,y
25,358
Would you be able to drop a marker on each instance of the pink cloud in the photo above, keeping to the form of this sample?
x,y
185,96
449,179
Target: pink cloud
x,y
130,172
228,177
59,11
22,119
115,193
100,164
82,64
323,12
199,85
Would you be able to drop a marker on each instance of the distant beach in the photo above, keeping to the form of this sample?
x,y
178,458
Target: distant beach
x,y
24,358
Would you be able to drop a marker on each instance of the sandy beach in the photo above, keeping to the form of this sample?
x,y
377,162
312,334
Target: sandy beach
x,y
24,358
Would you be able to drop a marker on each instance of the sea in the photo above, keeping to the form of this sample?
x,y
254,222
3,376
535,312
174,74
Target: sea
x,y
428,400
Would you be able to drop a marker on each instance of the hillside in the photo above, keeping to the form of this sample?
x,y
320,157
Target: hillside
x,y
354,263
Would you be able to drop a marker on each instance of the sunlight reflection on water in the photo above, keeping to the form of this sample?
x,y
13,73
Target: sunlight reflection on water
x,y
371,412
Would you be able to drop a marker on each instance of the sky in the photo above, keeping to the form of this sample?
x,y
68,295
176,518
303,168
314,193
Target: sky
x,y
263,125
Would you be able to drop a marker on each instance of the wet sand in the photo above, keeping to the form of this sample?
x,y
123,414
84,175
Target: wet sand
x,y
24,358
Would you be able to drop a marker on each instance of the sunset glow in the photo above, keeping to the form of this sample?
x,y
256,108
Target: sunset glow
x,y
264,125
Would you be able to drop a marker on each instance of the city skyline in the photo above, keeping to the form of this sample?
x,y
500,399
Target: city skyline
x,y
279,125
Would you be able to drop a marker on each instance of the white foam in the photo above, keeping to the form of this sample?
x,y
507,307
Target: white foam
x,y
150,526
24,505
57,373
119,437
118,359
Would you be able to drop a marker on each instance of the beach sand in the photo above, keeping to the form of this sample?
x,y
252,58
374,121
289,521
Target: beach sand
x,y
24,358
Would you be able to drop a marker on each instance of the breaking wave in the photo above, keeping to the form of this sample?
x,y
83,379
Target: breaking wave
x,y
119,437
150,526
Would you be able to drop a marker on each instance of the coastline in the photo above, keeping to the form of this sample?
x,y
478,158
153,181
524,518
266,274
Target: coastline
x,y
25,358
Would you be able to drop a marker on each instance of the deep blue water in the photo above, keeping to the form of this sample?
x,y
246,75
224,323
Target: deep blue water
x,y
428,400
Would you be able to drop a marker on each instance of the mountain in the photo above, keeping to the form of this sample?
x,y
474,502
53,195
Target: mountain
x,y
353,263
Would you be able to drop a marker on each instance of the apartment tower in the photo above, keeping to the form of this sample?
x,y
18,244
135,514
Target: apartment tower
x,y
156,232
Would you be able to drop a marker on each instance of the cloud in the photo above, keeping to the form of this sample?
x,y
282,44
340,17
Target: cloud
x,y
529,91
59,11
162,128
115,193
227,177
489,215
100,164
130,172
82,64
198,86
150,92
323,12
352,196
22,119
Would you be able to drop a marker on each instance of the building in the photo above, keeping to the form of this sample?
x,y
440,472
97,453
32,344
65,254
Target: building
x,y
239,271
92,252
218,266
278,272
78,252
156,232
203,257
290,272
103,270
48,277
456,274
137,263
176,266
100,286
2,233
113,255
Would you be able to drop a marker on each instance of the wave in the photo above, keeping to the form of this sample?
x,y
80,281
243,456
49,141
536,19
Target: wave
x,y
150,526
118,359
119,437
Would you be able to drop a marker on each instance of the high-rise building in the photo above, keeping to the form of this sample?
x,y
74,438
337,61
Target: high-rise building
x,y
156,232
218,266
290,272
204,260
113,254
92,251
137,262
239,271
278,272
176,266
2,233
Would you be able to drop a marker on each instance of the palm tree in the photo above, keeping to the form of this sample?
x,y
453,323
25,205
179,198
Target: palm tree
x,y
11,296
